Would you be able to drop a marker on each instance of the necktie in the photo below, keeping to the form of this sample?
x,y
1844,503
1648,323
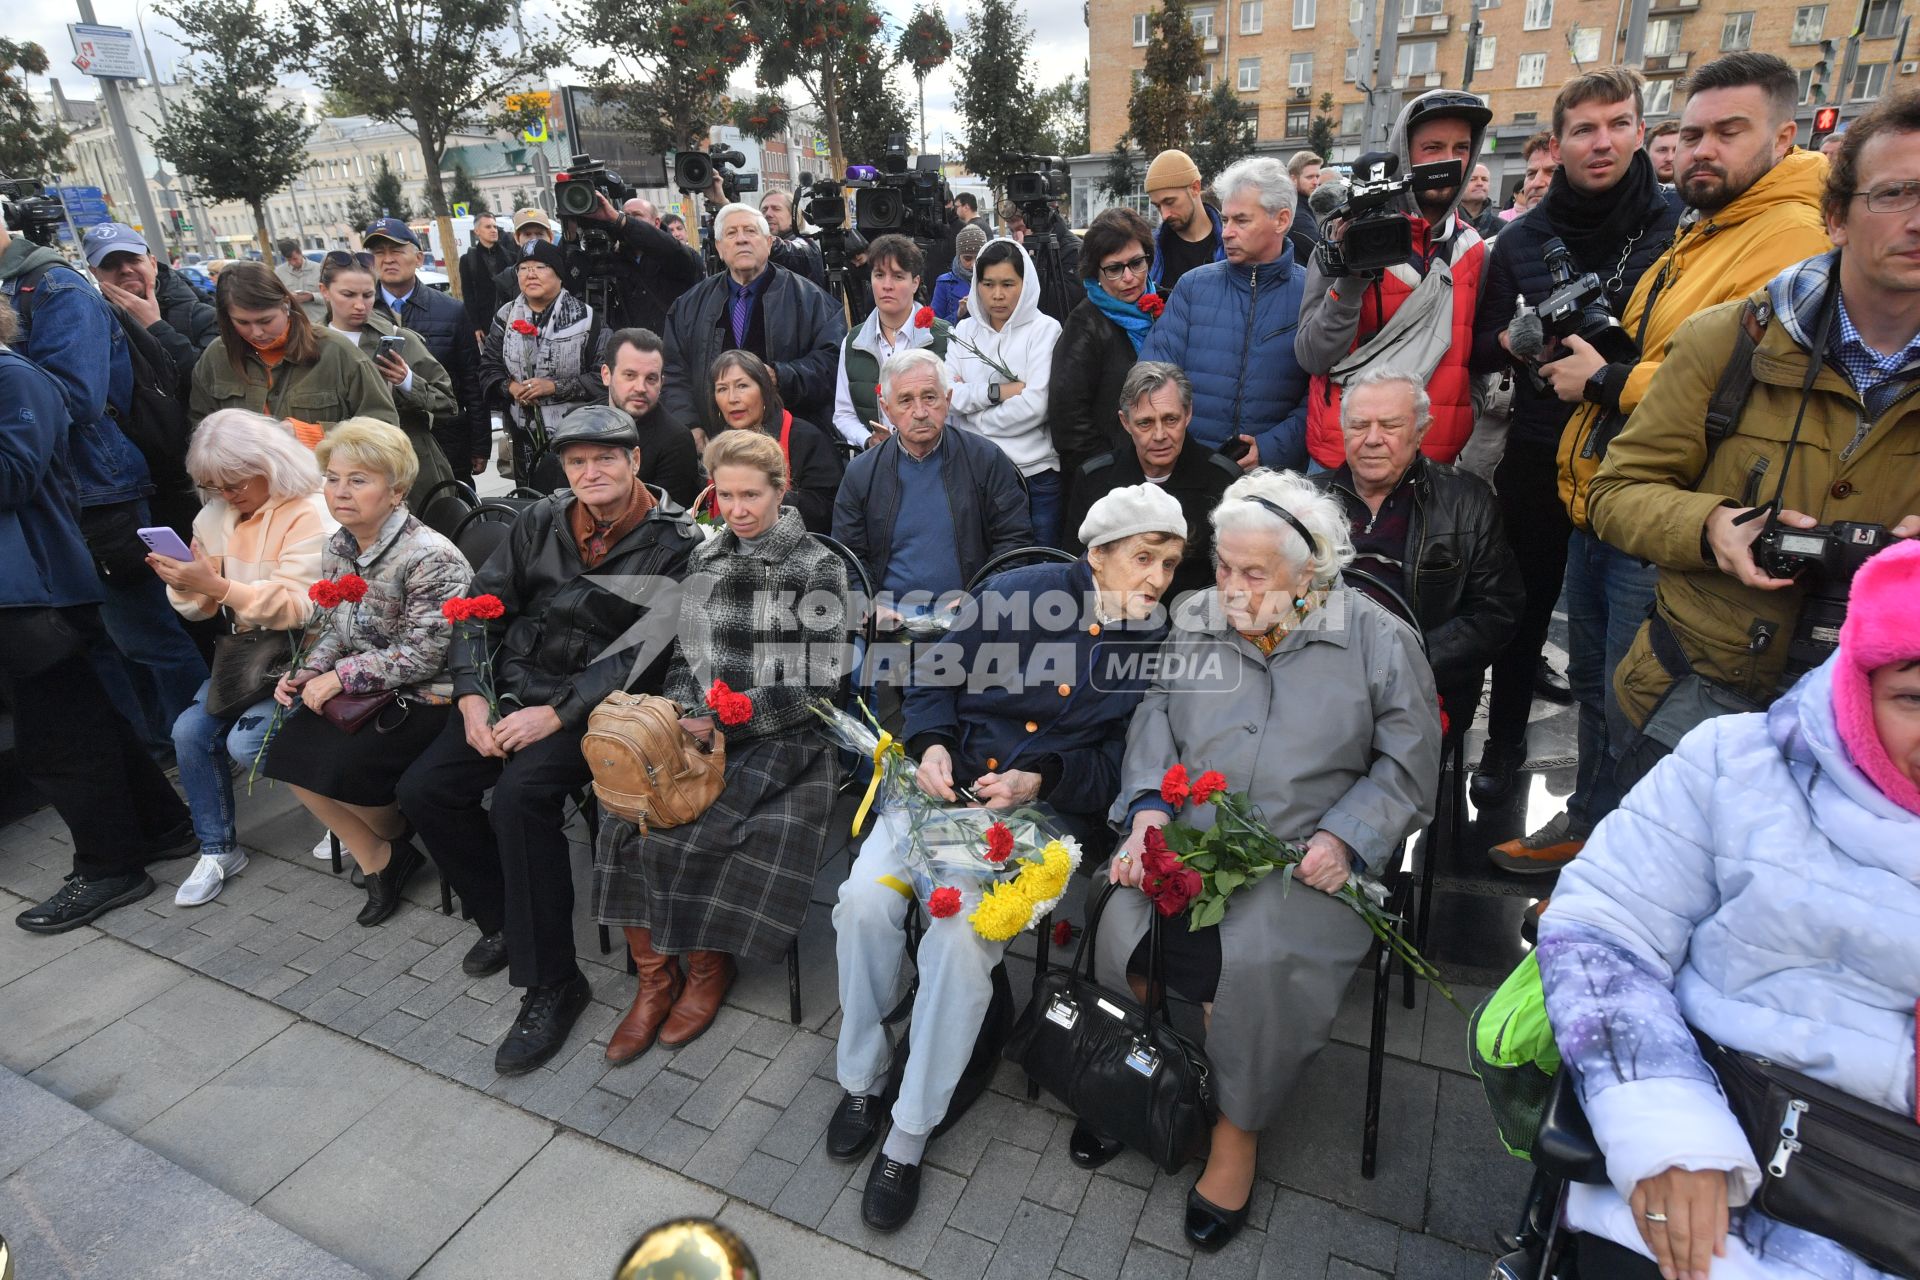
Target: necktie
x,y
742,313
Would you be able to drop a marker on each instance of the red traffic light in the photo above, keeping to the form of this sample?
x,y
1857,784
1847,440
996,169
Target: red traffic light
x,y
1826,119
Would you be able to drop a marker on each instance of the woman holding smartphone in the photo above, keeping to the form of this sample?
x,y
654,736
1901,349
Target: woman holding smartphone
x,y
420,385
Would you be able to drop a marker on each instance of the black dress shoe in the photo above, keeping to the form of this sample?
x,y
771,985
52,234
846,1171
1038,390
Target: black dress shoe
x,y
893,1193
547,1015
1493,777
1089,1150
855,1124
385,886
1550,685
1209,1226
487,956
82,901
176,842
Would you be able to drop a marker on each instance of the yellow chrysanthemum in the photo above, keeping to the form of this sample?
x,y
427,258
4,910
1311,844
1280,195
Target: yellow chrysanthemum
x,y
1046,880
1003,912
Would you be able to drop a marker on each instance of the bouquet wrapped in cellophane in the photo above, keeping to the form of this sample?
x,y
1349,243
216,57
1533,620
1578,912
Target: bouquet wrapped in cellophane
x,y
1007,867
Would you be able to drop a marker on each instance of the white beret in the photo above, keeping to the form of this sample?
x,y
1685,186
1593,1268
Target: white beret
x,y
1140,508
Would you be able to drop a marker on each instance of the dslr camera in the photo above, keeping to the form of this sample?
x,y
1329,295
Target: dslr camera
x,y
28,213
1578,305
1376,236
693,171
1827,556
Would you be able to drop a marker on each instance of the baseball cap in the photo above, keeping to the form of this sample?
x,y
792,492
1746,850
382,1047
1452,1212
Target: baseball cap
x,y
112,237
526,217
389,229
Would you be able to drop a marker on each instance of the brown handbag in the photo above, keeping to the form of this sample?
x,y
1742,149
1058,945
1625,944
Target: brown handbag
x,y
646,768
349,712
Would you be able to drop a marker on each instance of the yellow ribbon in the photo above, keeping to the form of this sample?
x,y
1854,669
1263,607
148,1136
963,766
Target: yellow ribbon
x,y
880,751
896,884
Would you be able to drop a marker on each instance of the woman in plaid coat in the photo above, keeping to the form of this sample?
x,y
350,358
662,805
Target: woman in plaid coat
x,y
764,613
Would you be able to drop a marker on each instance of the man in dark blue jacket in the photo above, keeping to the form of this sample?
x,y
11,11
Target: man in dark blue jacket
x,y
465,436
79,752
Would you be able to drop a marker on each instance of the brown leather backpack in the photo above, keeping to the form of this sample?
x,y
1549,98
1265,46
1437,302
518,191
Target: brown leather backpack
x,y
646,768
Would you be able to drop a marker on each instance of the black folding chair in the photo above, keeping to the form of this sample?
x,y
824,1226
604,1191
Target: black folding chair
x,y
444,506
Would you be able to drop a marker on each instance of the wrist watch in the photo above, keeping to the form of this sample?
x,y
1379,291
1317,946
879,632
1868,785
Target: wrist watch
x,y
1596,389
993,394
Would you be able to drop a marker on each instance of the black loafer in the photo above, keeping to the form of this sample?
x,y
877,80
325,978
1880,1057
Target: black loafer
x,y
856,1123
82,901
1493,777
1550,686
893,1193
547,1015
179,842
1089,1150
489,955
386,886
1209,1226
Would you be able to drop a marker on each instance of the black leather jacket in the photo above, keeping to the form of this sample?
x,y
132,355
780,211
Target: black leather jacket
x,y
1461,577
572,635
1090,363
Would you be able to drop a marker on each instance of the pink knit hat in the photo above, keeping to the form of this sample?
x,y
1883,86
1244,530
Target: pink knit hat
x,y
1882,626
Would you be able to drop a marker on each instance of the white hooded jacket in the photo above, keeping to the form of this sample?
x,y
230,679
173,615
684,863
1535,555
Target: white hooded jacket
x,y
1018,424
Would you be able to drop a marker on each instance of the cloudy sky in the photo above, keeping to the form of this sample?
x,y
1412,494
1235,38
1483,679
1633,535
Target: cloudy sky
x,y
1059,45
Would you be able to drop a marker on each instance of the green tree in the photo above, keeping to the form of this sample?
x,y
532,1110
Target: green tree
x,y
1163,109
1223,133
1063,118
925,45
231,137
819,46
360,208
29,146
463,191
668,69
875,107
1320,134
386,196
429,66
996,99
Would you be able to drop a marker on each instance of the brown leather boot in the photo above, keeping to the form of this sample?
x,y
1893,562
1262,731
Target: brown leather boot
x,y
709,974
660,985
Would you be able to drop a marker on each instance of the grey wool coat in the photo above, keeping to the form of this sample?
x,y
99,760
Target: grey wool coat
x,y
1336,729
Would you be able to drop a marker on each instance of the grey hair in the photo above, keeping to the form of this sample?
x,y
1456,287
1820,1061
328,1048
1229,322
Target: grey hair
x,y
734,210
1268,179
1422,403
902,363
1148,378
1332,548
234,444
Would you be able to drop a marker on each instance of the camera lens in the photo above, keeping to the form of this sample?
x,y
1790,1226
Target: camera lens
x,y
574,198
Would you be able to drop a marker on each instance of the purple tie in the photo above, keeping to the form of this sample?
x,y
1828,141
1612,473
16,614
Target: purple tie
x,y
742,313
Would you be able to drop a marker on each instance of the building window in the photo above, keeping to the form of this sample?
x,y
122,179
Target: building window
x,y
1203,23
1419,8
1353,118
1299,70
1663,38
1253,17
1298,122
1248,80
1737,31
1808,21
1869,82
1487,4
1416,59
1805,76
1304,13
1350,69
1533,71
1584,42
1882,19
1202,83
1483,56
1142,30
1539,15
1659,97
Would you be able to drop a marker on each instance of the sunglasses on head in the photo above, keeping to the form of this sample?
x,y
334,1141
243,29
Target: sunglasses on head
x,y
343,258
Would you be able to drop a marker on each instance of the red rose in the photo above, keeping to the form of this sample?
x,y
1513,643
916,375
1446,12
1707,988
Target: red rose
x,y
454,610
1172,892
1062,932
352,587
324,593
999,843
1208,785
1151,304
944,902
527,327
923,318
1174,787
1155,857
486,607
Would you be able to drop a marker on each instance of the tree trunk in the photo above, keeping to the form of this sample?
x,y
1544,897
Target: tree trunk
x,y
920,78
436,187
830,114
260,231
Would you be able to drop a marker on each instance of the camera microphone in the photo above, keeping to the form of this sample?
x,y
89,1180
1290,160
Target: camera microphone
x,y
1526,336
1328,196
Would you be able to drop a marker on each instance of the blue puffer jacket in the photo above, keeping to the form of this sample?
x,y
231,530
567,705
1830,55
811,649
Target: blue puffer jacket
x,y
1006,691
1231,328
69,331
47,560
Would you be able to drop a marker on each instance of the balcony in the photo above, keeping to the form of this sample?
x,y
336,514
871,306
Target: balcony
x,y
1658,7
1435,22
1666,61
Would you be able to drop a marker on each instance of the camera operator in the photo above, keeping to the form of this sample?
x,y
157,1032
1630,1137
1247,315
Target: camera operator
x,y
650,267
1341,314
791,249
1613,219
1055,251
1825,431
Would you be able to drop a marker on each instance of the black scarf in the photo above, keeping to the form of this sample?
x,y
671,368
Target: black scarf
x,y
1596,227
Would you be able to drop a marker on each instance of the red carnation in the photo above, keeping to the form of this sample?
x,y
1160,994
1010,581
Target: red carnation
x,y
352,587
1062,932
1151,304
732,708
487,607
1208,785
324,593
923,318
944,902
1446,724
455,610
1174,787
999,843
527,327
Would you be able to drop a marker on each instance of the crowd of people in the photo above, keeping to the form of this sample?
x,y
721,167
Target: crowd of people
x,y
1340,496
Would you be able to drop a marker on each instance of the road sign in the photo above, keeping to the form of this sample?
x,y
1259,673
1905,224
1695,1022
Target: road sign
x,y
536,132
106,53
461,210
540,100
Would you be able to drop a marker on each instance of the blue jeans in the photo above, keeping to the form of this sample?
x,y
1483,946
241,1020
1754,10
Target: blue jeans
x,y
1046,507
1608,594
203,744
159,668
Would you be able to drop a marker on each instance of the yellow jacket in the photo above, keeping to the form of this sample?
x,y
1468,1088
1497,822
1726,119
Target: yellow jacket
x,y
1775,223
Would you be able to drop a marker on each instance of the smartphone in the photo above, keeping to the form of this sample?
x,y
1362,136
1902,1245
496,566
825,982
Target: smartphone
x,y
1235,449
164,541
391,345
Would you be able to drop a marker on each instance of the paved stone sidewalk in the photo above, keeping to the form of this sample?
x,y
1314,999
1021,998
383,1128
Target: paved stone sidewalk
x,y
340,1080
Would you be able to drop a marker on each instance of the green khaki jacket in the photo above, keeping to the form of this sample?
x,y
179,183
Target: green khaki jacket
x,y
430,394
1653,494
340,384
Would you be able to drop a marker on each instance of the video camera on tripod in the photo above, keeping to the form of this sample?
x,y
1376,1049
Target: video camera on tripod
x,y
1034,190
1376,236
693,172
900,195
592,252
29,213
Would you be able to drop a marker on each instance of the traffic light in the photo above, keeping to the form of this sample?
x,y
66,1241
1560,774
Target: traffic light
x,y
1826,120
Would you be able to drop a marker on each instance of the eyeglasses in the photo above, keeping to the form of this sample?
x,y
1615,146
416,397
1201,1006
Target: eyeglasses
x,y
1114,270
1890,197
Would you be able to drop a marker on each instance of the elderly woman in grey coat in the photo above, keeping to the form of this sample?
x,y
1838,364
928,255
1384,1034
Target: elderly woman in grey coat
x,y
1317,704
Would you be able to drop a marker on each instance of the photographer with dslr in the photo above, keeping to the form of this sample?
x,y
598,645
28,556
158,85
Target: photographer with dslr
x,y
1406,213
1772,452
1575,258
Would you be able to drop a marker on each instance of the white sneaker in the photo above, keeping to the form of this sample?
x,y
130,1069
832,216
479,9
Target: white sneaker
x,y
213,870
324,850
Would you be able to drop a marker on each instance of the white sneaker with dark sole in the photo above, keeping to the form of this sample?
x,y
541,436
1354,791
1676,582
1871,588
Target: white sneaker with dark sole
x,y
212,872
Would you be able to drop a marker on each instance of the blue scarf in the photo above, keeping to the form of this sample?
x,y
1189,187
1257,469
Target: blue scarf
x,y
1127,315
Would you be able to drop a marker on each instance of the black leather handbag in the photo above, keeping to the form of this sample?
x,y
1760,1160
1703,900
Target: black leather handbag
x,y
1829,1163
1118,1064
246,666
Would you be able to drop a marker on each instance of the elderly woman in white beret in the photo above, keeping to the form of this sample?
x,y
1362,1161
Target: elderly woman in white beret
x,y
1318,704
1025,701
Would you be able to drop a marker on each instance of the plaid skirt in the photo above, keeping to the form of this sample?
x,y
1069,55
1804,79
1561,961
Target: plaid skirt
x,y
737,878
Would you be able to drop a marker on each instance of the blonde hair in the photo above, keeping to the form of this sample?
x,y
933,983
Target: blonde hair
x,y
379,445
234,444
734,448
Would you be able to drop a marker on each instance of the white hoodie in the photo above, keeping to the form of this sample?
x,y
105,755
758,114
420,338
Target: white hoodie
x,y
1018,424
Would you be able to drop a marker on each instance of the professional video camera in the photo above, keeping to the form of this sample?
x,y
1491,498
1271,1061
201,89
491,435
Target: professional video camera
x,y
1828,556
1376,237
30,214
897,196
693,171
593,268
1034,190
1578,305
